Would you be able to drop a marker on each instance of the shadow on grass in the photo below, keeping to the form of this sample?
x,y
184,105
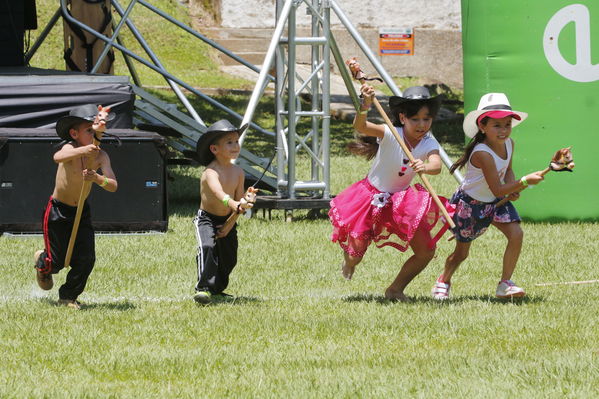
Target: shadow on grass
x,y
413,300
218,300
380,299
120,306
488,298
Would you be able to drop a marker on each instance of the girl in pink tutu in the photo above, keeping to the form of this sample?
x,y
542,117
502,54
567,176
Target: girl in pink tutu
x,y
383,207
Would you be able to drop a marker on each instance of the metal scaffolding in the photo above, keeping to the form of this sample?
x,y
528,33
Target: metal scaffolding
x,y
301,169
293,136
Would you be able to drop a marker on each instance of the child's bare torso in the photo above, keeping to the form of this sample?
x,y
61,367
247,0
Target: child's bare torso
x,y
229,178
69,180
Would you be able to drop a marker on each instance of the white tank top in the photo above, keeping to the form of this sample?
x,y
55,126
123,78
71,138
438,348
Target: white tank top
x,y
474,183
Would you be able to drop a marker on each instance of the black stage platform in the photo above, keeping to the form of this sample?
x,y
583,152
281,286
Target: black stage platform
x,y
268,203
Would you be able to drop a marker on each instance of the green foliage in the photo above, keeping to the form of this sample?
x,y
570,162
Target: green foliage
x,y
181,54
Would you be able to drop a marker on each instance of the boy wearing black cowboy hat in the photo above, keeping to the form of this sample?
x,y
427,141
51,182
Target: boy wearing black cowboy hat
x,y
78,159
221,194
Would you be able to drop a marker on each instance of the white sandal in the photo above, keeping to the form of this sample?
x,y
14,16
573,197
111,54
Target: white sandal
x,y
441,290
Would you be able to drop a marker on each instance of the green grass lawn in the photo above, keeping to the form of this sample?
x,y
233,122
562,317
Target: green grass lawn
x,y
296,328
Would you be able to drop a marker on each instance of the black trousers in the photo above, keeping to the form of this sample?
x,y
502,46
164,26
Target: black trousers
x,y
57,226
215,258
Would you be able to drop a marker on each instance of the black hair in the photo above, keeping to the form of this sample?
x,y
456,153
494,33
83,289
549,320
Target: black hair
x,y
367,146
479,137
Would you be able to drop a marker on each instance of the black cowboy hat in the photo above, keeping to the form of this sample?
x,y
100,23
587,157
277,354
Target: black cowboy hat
x,y
415,93
83,113
214,132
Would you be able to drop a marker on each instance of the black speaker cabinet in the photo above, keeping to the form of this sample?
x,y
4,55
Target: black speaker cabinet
x,y
12,27
30,21
27,174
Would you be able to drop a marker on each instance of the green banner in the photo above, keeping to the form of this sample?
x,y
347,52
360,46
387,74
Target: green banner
x,y
544,54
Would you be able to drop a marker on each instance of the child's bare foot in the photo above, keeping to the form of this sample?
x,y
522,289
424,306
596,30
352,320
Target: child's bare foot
x,y
396,296
347,271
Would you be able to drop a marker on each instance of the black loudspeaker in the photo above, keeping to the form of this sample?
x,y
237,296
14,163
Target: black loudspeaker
x,y
12,29
27,175
30,20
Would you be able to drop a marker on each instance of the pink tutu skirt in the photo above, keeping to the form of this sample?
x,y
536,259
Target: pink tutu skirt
x,y
362,214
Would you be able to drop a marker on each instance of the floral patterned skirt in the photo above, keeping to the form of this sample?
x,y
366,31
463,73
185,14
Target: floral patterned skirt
x,y
472,217
361,214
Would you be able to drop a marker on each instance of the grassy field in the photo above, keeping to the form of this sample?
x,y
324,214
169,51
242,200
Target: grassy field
x,y
296,328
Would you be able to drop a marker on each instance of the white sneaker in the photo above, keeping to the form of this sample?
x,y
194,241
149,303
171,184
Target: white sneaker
x,y
441,290
507,289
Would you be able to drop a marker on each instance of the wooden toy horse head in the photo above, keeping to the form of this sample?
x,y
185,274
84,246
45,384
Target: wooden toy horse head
x,y
562,161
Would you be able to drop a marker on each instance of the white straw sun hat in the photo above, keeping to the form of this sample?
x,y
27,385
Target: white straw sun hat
x,y
497,106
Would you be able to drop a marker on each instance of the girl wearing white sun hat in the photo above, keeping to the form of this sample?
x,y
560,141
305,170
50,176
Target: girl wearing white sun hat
x,y
489,177
488,103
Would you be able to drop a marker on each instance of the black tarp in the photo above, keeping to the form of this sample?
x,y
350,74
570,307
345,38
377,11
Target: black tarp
x,y
36,98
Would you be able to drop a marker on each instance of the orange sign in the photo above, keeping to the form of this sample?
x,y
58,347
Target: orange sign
x,y
396,41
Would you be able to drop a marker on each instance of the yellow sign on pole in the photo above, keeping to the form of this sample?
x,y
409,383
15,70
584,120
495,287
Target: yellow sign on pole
x,y
396,41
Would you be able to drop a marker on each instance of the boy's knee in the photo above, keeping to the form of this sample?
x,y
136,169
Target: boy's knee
x,y
84,263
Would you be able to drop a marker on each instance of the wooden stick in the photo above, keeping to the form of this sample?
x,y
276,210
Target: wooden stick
x,y
563,160
406,151
505,199
228,223
250,197
84,188
567,283
102,112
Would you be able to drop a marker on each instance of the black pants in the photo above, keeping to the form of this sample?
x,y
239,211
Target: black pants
x,y
57,226
215,258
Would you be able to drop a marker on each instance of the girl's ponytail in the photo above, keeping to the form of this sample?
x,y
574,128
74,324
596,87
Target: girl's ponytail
x,y
460,163
365,146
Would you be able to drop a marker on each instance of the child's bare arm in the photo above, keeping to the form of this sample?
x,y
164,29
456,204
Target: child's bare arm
x,y
107,180
238,199
360,123
239,190
241,196
484,161
68,152
509,174
248,200
432,165
510,178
